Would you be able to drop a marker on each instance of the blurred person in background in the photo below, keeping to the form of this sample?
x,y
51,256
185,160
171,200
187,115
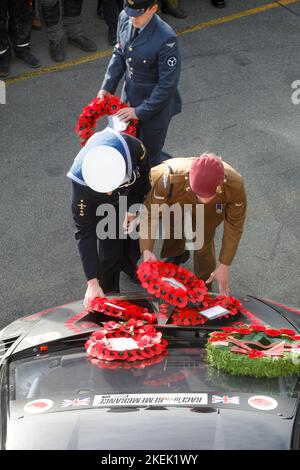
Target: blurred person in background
x,y
15,32
172,7
68,20
109,10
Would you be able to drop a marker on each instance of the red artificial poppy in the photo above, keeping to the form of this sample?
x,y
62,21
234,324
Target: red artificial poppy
x,y
218,337
273,333
229,329
255,353
258,328
287,332
243,331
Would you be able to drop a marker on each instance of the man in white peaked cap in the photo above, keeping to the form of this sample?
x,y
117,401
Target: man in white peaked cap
x,y
111,165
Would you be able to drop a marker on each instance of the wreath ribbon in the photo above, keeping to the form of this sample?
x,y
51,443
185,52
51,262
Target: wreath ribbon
x,y
276,349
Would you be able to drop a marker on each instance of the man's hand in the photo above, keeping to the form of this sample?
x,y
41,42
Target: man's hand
x,y
93,290
149,256
104,94
222,276
126,114
129,223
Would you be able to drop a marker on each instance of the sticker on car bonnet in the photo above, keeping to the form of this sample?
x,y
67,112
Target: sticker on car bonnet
x,y
149,399
38,406
261,402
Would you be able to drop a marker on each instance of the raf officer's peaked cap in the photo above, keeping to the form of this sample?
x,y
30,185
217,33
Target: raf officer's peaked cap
x,y
137,7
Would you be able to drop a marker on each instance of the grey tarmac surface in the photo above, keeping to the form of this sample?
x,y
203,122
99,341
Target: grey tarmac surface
x,y
236,89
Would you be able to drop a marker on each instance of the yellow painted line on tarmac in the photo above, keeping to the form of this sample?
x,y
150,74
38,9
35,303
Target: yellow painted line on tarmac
x,y
58,67
107,53
235,16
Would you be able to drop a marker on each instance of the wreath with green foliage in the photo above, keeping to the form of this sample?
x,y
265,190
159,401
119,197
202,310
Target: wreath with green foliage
x,y
255,351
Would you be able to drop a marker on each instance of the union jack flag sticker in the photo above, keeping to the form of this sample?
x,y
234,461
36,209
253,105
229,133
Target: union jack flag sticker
x,y
76,402
226,400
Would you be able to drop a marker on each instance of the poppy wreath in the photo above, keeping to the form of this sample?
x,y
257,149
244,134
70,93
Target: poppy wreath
x,y
255,351
96,109
149,342
171,283
192,316
122,309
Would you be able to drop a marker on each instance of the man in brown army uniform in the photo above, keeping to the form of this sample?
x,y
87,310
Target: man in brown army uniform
x,y
207,180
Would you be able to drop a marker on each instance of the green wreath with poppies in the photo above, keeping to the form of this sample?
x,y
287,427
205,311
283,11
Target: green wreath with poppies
x,y
255,351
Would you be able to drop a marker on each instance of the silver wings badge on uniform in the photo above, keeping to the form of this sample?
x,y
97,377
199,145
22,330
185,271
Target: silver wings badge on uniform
x,y
170,44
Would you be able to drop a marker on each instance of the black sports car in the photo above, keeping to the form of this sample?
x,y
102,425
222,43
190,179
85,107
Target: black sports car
x,y
54,397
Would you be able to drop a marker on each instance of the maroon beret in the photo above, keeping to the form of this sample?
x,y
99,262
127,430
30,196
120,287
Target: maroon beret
x,y
206,174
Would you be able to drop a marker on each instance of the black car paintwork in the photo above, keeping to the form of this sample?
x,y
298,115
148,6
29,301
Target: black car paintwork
x,y
203,427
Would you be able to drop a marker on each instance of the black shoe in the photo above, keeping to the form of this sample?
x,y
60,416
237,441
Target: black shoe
x,y
112,36
4,65
25,55
84,43
180,259
56,51
218,3
169,9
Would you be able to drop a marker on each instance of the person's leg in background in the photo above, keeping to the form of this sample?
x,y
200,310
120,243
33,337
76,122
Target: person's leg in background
x,y
35,15
51,12
111,12
171,7
5,52
73,25
19,28
100,9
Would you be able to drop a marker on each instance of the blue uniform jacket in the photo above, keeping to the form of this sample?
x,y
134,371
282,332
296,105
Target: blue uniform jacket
x,y
151,64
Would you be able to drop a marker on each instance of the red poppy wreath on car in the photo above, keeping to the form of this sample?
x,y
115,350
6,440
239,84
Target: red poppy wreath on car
x,y
129,341
179,287
171,283
96,109
122,309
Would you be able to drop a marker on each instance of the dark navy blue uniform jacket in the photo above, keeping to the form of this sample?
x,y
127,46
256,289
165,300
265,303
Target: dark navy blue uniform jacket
x,y
151,64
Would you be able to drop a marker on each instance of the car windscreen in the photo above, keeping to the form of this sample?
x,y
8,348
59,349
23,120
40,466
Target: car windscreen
x,y
70,381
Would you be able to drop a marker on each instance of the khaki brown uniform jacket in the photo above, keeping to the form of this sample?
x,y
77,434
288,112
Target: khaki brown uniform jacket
x,y
170,185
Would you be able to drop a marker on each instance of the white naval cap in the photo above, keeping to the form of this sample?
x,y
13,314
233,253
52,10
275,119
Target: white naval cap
x,y
104,168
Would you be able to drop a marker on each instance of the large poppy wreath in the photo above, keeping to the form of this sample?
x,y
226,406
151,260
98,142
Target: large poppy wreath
x,y
171,283
96,109
130,341
255,351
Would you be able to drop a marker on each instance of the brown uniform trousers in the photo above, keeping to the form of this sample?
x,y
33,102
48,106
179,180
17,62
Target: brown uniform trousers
x,y
170,185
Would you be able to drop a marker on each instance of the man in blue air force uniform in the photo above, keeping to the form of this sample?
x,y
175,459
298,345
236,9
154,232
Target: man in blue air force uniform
x,y
147,53
109,166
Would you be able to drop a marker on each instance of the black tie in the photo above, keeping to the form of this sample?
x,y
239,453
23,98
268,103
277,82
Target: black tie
x,y
135,33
